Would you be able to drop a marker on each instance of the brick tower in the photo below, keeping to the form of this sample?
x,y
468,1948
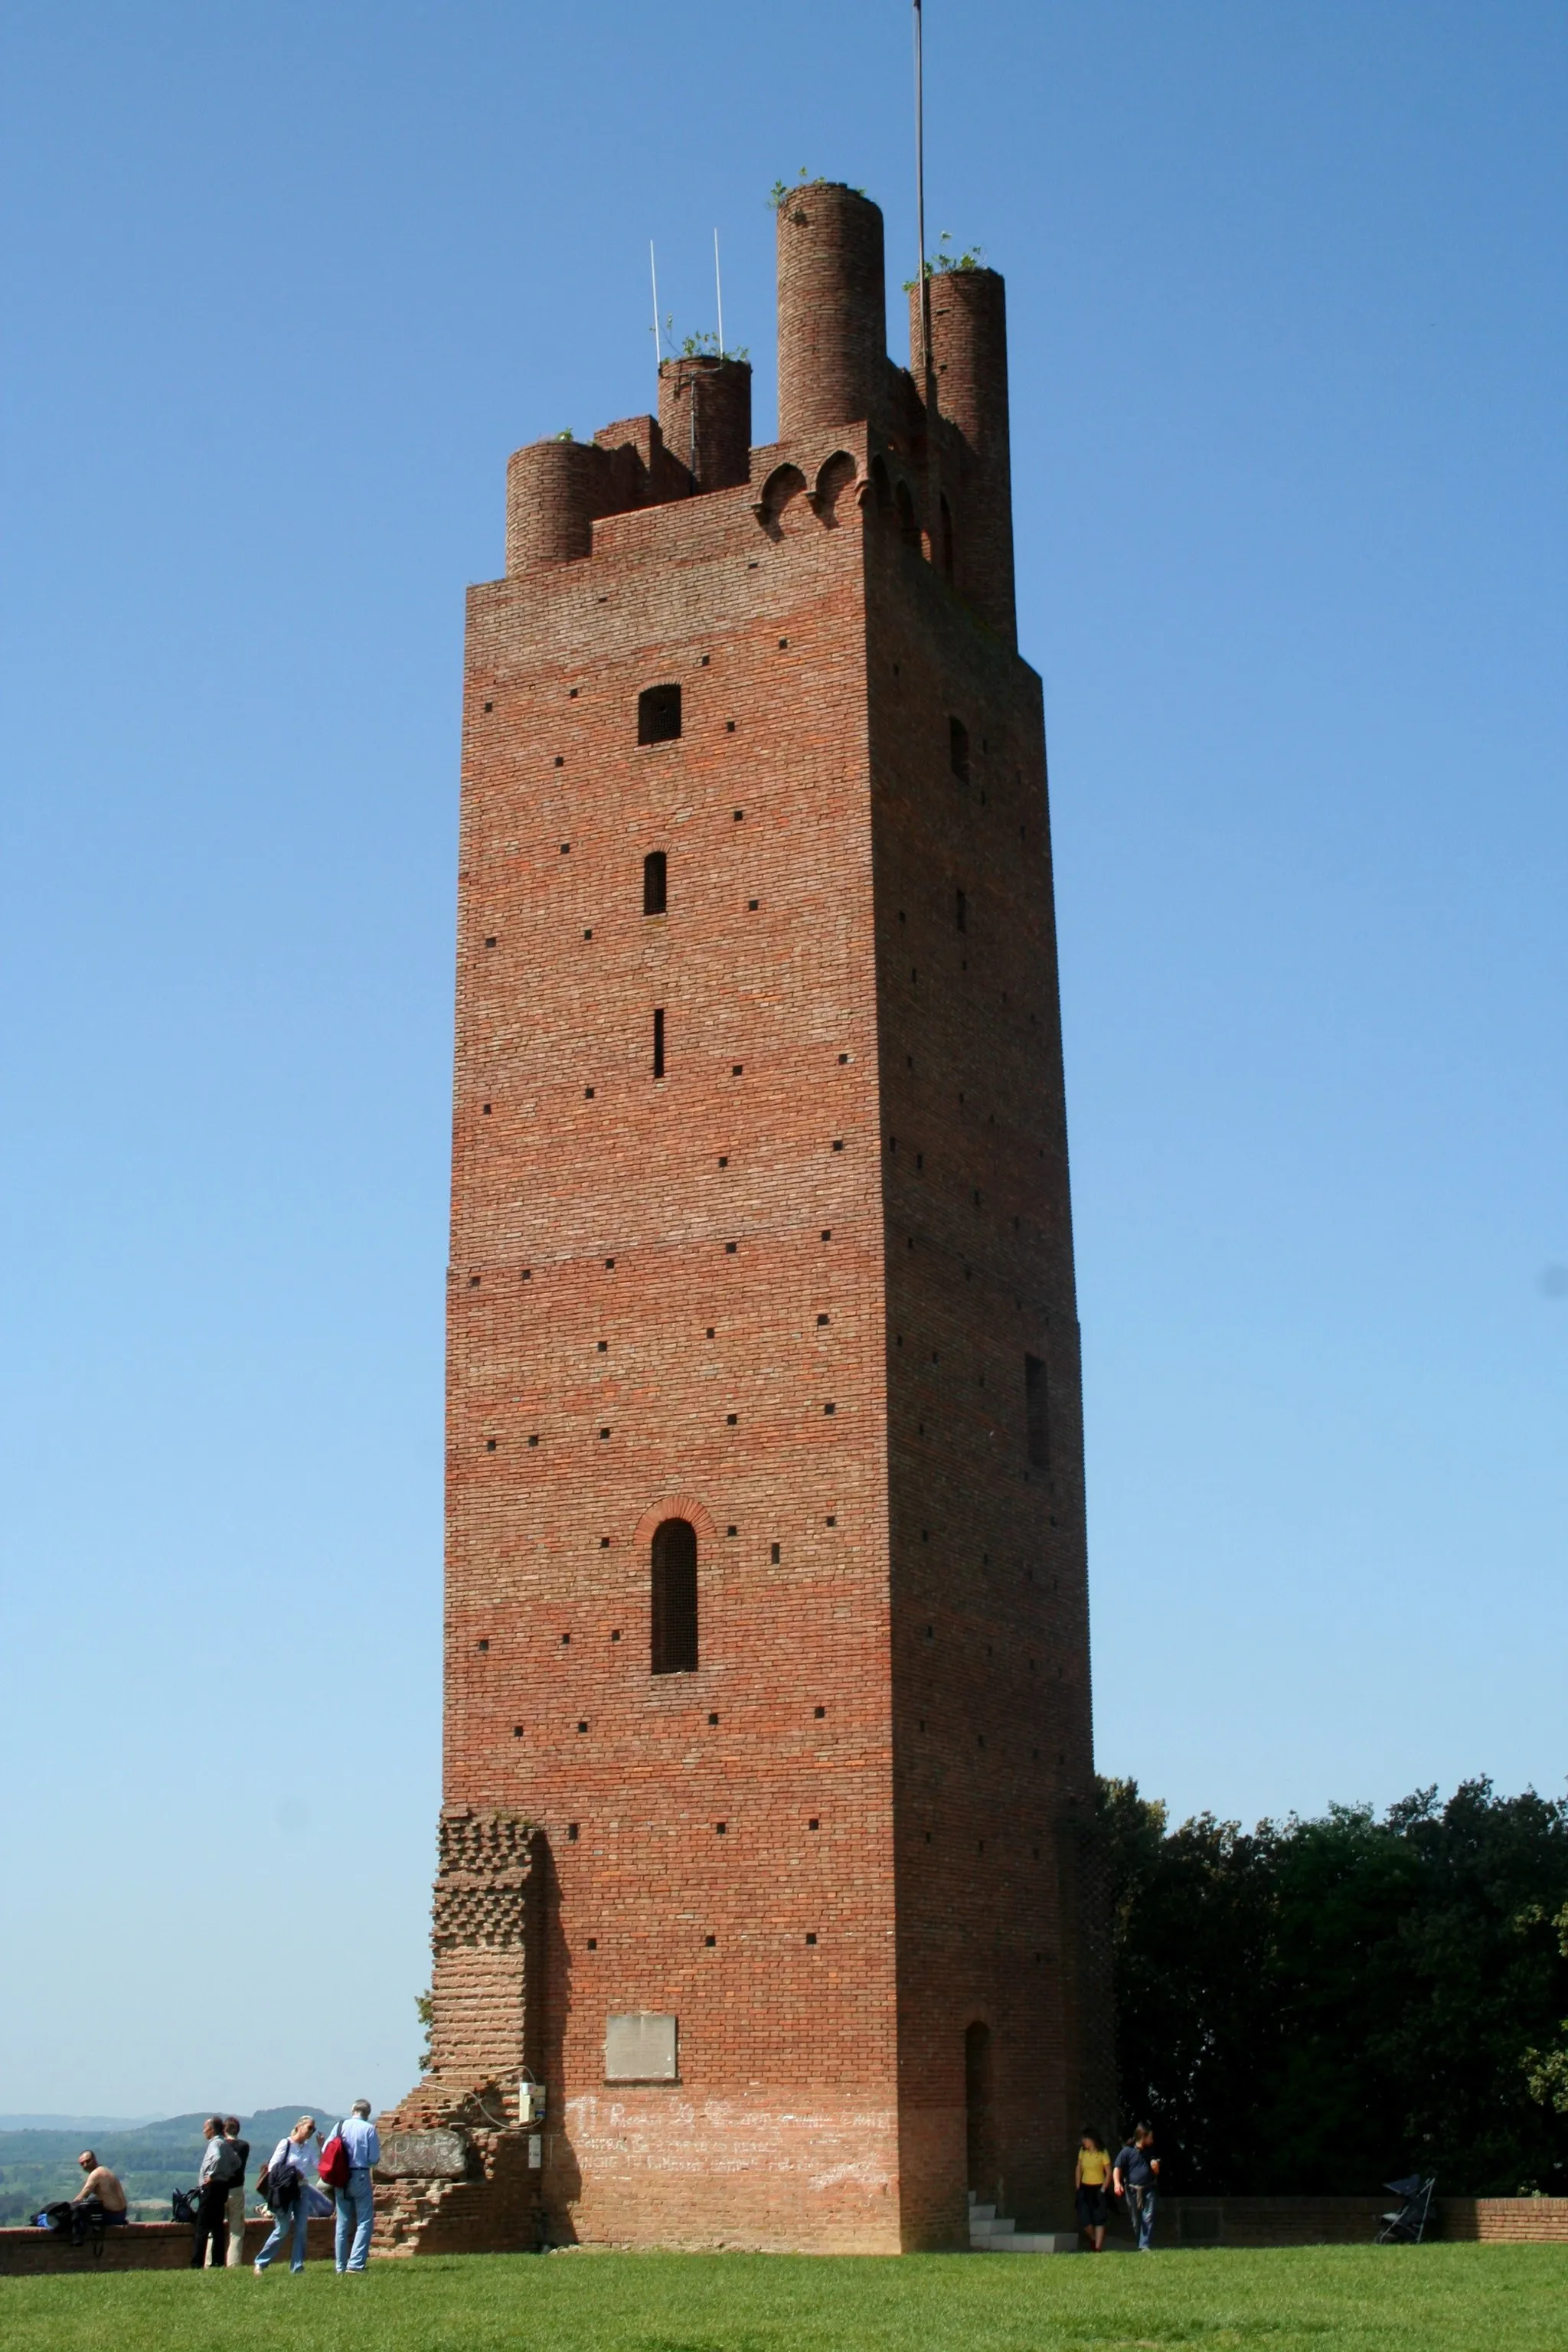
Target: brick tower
x,y
768,1777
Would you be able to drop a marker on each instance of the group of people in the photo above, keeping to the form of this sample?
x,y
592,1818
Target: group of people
x,y
293,2197
1133,2175
294,2200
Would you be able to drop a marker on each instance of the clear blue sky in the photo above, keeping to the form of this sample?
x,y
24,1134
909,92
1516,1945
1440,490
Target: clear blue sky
x,y
284,285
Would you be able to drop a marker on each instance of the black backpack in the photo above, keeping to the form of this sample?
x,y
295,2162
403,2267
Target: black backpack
x,y
186,2204
279,2190
55,2217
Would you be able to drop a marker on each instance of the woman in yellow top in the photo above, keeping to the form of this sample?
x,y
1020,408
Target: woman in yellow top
x,y
1090,2174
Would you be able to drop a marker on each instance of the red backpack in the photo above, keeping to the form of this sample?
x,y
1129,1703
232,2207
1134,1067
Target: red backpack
x,y
334,2168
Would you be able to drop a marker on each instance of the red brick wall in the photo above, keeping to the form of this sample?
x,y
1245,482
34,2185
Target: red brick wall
x,y
994,1770
139,2246
717,1294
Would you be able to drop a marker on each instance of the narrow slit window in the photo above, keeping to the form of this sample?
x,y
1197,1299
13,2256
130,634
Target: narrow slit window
x,y
674,1598
658,714
961,910
655,883
1038,1411
659,1042
958,749
909,521
947,537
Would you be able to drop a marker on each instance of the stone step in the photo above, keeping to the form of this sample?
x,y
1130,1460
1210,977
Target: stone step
x,y
1031,2242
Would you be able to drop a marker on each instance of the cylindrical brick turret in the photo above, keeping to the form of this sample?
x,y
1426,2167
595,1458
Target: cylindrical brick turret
x,y
553,491
705,416
833,330
969,362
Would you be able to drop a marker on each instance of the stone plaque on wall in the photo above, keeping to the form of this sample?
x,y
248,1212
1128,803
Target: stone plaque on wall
x,y
639,2048
437,2155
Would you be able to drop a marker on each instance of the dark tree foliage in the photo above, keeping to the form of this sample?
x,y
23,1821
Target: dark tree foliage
x,y
1321,2006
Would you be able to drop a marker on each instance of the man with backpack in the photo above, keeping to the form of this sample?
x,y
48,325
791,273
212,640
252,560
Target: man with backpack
x,y
346,2161
221,2168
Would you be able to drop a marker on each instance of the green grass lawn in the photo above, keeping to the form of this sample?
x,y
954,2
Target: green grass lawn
x,y
1425,2299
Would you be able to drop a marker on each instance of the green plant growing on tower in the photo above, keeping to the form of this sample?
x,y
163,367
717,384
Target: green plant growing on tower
x,y
704,345
943,264
781,192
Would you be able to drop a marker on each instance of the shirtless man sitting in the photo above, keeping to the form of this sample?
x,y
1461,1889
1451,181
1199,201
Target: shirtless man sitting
x,y
100,2184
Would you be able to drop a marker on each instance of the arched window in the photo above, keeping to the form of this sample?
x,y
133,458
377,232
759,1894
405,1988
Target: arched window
x,y
783,506
980,2116
654,882
674,1598
835,491
909,521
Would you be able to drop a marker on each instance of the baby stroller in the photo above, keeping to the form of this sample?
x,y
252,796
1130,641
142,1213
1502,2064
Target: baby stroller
x,y
1407,2226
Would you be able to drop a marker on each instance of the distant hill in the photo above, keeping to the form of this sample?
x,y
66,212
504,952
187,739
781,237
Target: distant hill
x,y
152,2159
74,2123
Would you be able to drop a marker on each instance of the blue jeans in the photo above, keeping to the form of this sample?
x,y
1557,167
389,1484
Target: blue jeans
x,y
1141,2213
356,2211
291,2218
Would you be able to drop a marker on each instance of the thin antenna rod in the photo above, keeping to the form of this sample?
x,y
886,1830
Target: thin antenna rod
x,y
653,272
920,198
718,293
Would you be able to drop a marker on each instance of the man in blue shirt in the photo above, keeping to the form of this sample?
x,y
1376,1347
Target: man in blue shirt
x,y
356,2203
1136,2177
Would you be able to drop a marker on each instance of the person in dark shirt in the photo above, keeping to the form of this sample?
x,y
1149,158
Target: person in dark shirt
x,y
235,2215
1136,2180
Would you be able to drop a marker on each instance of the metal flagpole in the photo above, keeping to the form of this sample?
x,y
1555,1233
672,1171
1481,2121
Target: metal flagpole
x,y
921,197
653,271
718,292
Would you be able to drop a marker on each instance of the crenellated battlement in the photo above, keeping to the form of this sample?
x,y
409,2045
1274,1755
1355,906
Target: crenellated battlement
x,y
947,473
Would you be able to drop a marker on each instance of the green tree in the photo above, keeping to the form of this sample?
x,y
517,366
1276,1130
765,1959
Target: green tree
x,y
1316,2004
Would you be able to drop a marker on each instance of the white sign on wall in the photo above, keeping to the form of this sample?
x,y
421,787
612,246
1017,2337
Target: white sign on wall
x,y
639,2048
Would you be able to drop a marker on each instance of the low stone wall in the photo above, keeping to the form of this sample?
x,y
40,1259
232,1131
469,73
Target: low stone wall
x,y
1180,2222
139,2246
1505,2220
1351,2220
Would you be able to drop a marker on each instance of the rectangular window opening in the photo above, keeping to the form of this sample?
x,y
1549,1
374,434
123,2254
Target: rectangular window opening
x,y
658,714
1037,1410
961,910
654,882
659,1042
957,747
